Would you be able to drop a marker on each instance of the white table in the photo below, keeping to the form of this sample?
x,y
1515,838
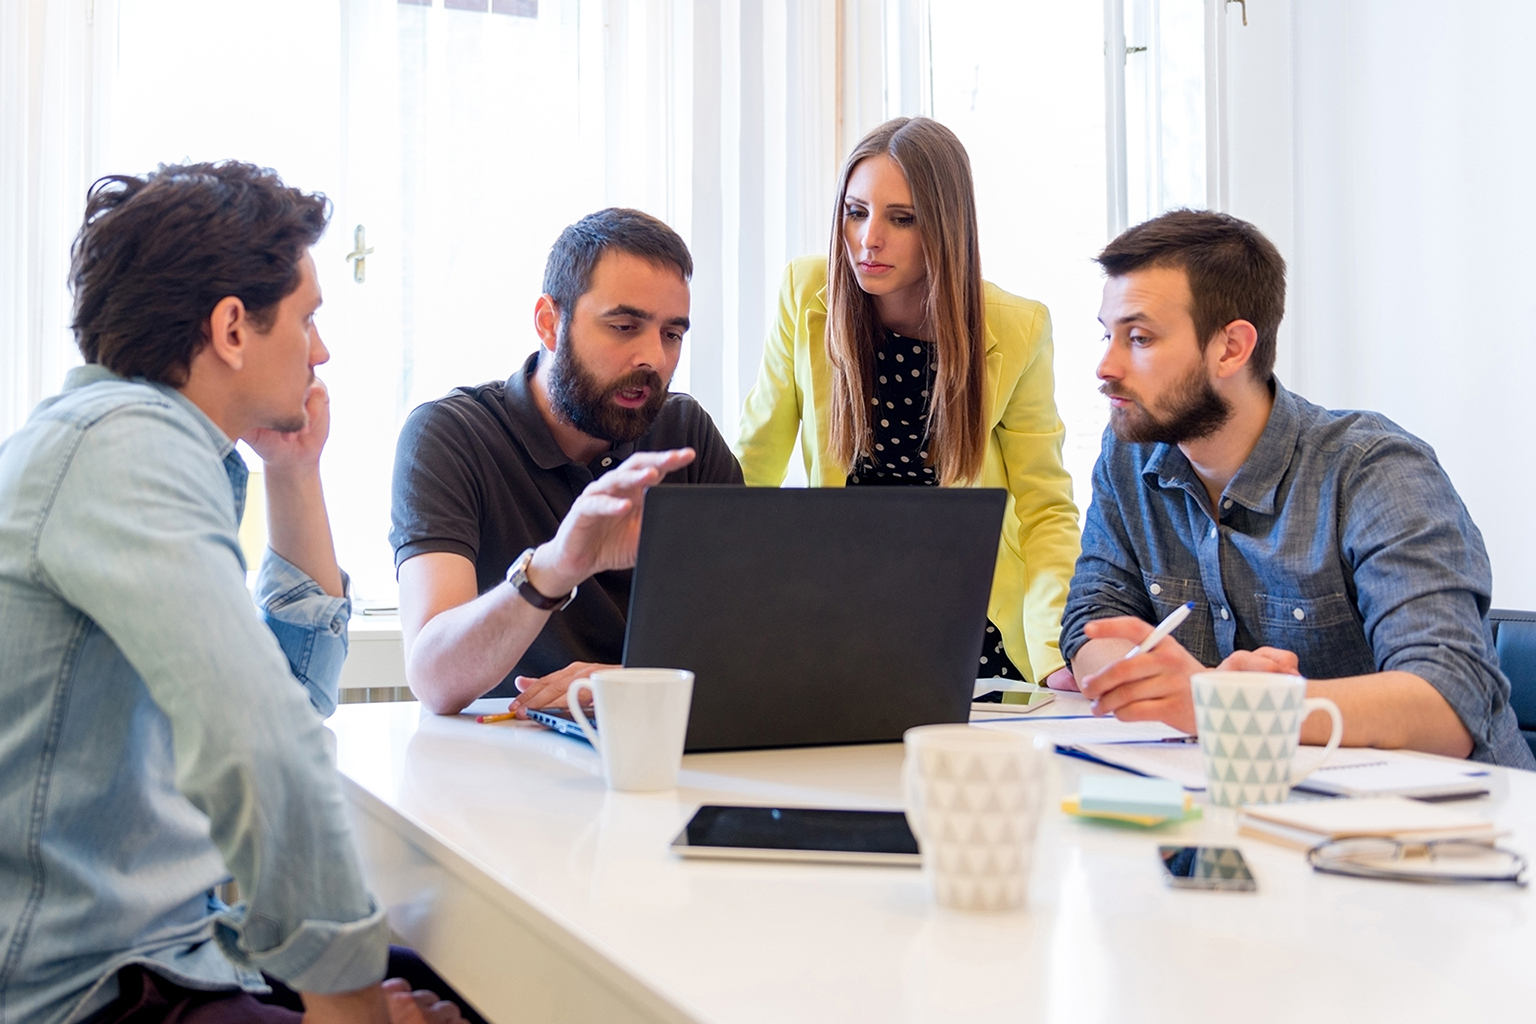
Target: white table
x,y
544,897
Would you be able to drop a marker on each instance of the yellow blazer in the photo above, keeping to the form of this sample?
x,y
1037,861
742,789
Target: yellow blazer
x,y
1040,540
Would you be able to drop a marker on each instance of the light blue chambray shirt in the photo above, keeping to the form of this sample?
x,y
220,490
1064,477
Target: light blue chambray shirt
x,y
1340,539
153,739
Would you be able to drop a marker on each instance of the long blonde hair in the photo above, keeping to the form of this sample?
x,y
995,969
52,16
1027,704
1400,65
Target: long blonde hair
x,y
944,201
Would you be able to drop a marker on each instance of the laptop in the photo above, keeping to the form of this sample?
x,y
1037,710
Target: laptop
x,y
815,616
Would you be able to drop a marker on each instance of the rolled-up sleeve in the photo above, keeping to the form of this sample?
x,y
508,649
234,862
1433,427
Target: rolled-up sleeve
x,y
310,626
1424,584
248,745
1107,581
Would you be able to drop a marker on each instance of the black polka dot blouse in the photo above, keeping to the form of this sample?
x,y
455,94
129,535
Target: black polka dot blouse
x,y
903,383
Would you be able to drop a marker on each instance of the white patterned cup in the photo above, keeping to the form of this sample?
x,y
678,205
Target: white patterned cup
x,y
1249,724
973,799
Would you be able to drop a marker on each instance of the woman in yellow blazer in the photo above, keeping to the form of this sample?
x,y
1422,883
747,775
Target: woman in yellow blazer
x,y
897,364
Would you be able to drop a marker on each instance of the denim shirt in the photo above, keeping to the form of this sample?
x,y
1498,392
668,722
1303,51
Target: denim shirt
x,y
153,740
1340,539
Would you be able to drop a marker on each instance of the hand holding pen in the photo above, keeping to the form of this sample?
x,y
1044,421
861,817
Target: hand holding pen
x,y
1168,625
1150,682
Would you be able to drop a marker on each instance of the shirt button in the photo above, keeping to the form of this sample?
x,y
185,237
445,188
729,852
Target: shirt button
x,y
1227,503
1156,589
1213,533
1224,614
607,460
1299,614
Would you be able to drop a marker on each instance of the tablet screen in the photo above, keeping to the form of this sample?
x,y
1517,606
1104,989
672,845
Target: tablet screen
x,y
799,833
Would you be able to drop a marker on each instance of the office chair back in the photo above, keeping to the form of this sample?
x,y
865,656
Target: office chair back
x,y
1514,635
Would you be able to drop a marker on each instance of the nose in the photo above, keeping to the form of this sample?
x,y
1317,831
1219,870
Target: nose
x,y
651,354
1109,367
318,353
871,237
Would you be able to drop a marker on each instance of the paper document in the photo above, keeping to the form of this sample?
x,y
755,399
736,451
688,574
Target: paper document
x,y
1350,771
1177,761
1072,732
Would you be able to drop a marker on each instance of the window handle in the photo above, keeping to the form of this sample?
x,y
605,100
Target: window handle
x,y
358,257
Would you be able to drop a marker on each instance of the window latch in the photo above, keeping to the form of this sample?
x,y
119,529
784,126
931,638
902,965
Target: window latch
x,y
358,257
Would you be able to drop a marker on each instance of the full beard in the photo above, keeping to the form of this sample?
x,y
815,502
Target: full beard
x,y
587,404
1196,411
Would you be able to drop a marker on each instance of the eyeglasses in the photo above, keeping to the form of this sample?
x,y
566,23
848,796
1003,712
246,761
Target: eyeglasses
x,y
1436,860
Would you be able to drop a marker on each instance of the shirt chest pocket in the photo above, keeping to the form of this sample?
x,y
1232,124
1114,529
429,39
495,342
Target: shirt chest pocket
x,y
1196,633
1311,628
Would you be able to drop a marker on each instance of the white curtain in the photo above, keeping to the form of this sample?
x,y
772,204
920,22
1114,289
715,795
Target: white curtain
x,y
461,143
1385,146
52,94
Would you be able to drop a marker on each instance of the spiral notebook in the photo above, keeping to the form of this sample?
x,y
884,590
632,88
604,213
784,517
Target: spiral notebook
x,y
1350,771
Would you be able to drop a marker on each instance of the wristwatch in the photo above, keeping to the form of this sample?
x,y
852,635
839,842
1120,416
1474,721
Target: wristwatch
x,y
517,575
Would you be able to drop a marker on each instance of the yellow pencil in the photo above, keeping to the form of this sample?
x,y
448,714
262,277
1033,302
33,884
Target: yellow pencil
x,y
488,719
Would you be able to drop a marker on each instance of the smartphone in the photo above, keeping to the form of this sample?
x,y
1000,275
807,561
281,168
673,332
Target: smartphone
x,y
1206,867
798,833
1012,702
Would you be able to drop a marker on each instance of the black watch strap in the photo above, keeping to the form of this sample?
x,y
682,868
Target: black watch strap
x,y
517,575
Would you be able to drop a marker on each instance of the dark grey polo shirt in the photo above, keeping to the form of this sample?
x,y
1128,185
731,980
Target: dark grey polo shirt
x,y
1340,539
478,473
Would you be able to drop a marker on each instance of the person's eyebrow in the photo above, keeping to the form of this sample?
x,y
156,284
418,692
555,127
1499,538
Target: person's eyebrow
x,y
629,311
680,321
866,202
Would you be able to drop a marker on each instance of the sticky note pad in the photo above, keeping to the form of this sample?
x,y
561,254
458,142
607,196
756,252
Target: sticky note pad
x,y
1131,796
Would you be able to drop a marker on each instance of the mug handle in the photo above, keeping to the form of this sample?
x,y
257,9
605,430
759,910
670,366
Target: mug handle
x,y
572,702
908,795
1308,706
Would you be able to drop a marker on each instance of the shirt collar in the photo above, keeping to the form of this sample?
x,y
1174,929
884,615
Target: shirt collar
x,y
529,426
234,466
821,302
1258,479
95,373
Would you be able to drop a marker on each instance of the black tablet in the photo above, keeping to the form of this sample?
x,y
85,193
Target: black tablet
x,y
799,833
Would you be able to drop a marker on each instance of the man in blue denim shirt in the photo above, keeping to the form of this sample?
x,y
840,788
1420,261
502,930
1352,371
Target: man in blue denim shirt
x,y
1329,544
153,737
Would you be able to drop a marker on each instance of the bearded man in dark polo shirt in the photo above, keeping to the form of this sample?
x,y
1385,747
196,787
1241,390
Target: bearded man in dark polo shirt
x,y
516,504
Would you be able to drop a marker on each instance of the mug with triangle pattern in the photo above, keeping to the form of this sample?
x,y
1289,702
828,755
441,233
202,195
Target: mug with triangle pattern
x,y
1249,724
973,799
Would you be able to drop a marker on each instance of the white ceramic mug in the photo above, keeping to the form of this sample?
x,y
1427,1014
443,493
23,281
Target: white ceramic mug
x,y
642,716
973,800
1249,725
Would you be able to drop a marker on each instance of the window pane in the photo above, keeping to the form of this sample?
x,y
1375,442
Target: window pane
x,y
1022,84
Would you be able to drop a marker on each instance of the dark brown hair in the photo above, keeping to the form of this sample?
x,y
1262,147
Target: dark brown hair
x,y
944,204
157,253
576,253
1234,272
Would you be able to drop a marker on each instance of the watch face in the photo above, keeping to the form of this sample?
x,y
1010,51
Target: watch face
x,y
517,572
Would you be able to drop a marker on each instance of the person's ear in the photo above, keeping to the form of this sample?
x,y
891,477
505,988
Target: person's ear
x,y
546,320
1233,347
229,330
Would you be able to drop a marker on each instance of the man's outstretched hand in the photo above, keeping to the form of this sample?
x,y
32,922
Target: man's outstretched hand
x,y
602,529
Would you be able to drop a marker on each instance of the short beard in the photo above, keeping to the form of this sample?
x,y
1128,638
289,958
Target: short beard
x,y
1197,411
584,402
